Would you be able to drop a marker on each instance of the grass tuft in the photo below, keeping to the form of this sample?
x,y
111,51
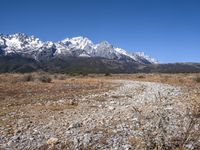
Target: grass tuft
x,y
141,77
45,79
107,74
197,79
28,78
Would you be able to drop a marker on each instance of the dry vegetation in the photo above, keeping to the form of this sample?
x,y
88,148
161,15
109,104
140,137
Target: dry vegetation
x,y
49,93
22,91
181,79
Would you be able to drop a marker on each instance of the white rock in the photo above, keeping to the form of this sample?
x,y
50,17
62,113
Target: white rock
x,y
52,141
111,108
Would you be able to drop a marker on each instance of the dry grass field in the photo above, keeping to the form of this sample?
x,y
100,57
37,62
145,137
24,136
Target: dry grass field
x,y
30,102
21,91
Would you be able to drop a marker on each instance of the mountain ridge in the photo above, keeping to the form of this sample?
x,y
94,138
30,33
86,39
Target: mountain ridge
x,y
32,47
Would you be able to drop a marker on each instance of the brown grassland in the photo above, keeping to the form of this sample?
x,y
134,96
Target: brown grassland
x,y
16,90
27,92
19,93
21,90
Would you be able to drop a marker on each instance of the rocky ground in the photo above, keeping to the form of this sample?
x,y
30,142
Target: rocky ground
x,y
131,115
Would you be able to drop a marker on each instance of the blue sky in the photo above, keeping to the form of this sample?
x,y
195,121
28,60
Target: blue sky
x,y
168,30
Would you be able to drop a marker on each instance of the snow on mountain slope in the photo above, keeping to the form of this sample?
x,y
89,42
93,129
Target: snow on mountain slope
x,y
142,55
30,46
20,43
77,42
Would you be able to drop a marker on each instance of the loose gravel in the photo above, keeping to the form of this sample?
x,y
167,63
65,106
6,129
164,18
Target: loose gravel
x,y
136,115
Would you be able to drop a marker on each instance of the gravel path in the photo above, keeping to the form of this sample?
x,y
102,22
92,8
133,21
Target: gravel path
x,y
136,115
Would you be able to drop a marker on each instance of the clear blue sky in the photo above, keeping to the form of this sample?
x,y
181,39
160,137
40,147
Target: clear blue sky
x,y
168,30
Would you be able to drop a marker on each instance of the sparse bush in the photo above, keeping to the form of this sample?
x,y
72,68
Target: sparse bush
x,y
72,74
55,76
107,74
45,79
84,73
197,79
140,77
62,77
28,78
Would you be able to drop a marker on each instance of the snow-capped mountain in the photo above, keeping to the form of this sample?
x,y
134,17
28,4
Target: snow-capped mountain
x,y
32,47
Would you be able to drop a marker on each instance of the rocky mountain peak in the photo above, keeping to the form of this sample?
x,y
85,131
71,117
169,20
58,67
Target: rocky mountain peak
x,y
22,44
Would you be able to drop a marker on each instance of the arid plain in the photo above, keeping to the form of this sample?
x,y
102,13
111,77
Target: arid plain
x,y
90,111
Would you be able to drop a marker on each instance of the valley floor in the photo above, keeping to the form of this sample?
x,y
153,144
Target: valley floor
x,y
97,112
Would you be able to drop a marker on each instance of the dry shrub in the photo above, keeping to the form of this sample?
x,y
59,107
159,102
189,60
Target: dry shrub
x,y
83,74
141,77
28,78
55,76
160,137
107,74
72,74
197,79
62,77
45,79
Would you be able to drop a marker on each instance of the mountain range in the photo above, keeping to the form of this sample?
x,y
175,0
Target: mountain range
x,y
31,47
22,53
